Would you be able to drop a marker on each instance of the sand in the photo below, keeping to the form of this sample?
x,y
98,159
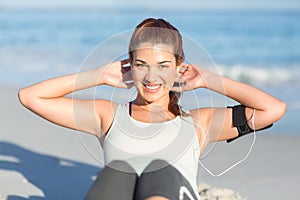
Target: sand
x,y
39,160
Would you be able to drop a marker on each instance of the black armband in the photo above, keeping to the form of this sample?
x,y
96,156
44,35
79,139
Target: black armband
x,y
239,121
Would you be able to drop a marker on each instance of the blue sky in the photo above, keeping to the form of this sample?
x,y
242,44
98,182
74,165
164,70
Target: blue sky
x,y
154,4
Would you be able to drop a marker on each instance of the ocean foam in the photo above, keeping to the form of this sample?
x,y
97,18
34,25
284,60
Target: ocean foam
x,y
269,76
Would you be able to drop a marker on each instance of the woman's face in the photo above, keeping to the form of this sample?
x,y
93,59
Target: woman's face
x,y
154,72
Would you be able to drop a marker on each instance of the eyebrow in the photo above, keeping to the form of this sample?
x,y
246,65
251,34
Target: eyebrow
x,y
161,62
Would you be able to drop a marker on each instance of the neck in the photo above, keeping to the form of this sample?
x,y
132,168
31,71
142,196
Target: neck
x,y
156,106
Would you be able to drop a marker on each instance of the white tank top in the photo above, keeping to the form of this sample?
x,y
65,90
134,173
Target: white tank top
x,y
138,143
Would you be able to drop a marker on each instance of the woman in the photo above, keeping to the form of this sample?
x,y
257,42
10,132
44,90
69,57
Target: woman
x,y
151,146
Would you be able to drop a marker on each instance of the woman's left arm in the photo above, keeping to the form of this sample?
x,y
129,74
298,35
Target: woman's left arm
x,y
218,124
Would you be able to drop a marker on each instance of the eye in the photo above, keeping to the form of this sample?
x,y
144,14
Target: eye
x,y
140,65
163,66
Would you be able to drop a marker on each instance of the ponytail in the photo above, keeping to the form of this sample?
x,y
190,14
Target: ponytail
x,y
173,104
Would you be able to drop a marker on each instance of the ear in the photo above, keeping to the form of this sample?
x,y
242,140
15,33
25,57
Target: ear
x,y
179,64
178,68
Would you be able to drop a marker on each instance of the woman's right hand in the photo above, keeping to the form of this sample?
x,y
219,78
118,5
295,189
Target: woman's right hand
x,y
117,74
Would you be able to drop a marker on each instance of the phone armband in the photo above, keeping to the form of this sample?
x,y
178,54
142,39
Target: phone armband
x,y
240,121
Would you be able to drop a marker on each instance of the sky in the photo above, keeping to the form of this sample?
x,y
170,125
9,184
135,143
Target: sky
x,y
156,4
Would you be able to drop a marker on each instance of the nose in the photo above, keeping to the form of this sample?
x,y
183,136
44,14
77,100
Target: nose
x,y
152,74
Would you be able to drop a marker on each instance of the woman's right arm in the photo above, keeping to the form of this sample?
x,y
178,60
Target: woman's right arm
x,y
48,99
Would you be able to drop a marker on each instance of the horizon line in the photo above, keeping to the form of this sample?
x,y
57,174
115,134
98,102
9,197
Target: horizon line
x,y
153,9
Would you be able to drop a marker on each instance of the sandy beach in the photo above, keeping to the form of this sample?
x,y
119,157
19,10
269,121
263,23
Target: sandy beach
x,y
39,160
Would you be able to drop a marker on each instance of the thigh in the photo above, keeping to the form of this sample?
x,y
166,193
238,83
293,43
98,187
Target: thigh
x,y
116,181
162,179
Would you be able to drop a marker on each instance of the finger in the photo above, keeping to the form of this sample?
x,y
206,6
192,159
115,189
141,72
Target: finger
x,y
183,67
181,72
125,62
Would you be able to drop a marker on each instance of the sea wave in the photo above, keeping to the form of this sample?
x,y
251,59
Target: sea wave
x,y
268,76
24,63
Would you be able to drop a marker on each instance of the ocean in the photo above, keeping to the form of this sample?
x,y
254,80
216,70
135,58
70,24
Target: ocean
x,y
257,47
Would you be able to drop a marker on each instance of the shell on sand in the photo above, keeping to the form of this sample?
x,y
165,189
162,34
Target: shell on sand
x,y
208,192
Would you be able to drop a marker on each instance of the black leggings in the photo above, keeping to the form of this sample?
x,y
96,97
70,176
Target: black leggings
x,y
118,181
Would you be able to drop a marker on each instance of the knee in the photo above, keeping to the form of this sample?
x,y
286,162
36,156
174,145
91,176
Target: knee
x,y
156,165
121,166
159,162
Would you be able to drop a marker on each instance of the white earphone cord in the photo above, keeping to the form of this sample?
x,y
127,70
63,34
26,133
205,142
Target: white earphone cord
x,y
240,161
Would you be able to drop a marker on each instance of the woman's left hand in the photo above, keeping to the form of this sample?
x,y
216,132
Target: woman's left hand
x,y
190,77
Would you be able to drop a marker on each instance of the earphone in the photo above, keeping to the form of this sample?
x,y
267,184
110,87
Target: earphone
x,y
240,161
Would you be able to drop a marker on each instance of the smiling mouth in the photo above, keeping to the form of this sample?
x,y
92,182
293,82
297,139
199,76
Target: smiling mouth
x,y
152,87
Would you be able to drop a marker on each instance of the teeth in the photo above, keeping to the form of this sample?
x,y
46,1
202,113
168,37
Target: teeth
x,y
152,87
